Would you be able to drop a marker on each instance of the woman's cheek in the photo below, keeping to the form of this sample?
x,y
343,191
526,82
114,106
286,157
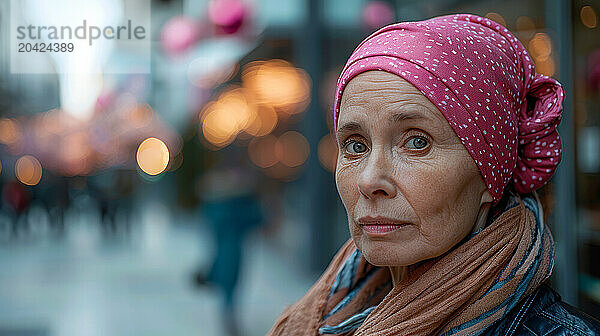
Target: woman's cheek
x,y
347,185
424,185
436,196
430,190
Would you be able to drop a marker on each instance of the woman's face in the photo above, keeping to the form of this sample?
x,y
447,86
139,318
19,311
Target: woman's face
x,y
400,162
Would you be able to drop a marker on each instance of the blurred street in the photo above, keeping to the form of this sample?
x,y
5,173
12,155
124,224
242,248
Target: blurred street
x,y
84,285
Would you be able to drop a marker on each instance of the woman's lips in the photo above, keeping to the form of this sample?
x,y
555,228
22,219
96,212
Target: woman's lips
x,y
380,225
382,228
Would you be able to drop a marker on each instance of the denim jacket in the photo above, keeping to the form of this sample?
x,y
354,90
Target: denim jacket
x,y
544,313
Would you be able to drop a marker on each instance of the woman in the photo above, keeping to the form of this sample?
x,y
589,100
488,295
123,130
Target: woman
x,y
444,133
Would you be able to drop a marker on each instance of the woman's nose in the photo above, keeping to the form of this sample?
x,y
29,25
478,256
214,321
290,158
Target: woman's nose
x,y
375,179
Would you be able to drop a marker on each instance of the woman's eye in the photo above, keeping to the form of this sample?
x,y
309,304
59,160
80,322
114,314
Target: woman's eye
x,y
417,142
355,147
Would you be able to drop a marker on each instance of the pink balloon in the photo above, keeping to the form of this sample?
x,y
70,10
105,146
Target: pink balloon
x,y
377,14
105,100
178,34
227,15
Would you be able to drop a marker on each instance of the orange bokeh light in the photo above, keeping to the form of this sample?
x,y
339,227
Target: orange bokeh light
x,y
152,156
141,115
588,17
278,84
262,151
328,152
540,46
10,131
225,118
546,67
292,149
75,153
28,170
264,123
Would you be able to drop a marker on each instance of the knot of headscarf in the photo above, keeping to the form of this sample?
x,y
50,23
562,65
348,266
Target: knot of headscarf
x,y
482,80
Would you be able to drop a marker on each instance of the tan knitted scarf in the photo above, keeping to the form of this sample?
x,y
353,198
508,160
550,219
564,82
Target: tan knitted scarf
x,y
461,292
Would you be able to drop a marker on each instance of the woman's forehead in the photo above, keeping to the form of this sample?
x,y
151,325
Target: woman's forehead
x,y
390,94
378,80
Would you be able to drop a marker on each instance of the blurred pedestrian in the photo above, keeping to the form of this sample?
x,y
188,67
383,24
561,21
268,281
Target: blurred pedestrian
x,y
232,208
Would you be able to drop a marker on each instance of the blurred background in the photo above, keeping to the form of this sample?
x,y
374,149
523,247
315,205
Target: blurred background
x,y
199,199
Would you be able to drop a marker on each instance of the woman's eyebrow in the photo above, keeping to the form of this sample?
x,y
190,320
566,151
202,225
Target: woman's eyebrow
x,y
353,126
350,127
397,117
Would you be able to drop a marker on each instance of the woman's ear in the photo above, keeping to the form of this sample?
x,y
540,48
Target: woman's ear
x,y
486,197
484,208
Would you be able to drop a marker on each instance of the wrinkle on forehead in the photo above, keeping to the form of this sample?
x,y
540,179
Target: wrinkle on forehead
x,y
381,84
377,88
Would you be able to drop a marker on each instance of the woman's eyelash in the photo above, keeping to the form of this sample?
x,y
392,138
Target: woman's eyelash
x,y
409,137
348,139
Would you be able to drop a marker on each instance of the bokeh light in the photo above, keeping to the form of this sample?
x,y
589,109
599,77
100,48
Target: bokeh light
x,y
540,46
10,131
152,156
279,84
262,151
292,149
218,128
141,115
496,17
227,15
377,14
75,153
235,103
179,34
264,123
327,152
28,170
588,16
230,114
546,67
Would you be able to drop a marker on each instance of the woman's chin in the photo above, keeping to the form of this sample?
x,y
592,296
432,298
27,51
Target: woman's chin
x,y
385,252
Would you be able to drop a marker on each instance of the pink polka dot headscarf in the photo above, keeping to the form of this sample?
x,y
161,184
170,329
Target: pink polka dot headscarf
x,y
483,81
